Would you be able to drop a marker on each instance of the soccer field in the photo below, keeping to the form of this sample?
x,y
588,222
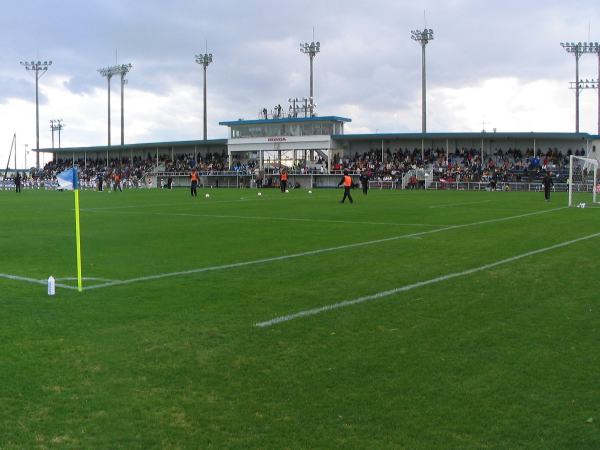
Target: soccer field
x,y
409,319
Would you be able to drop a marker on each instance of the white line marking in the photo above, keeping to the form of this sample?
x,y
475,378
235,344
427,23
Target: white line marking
x,y
452,205
290,219
84,279
33,280
187,204
299,219
367,298
311,252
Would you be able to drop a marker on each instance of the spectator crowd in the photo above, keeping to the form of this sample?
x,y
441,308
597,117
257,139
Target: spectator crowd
x,y
464,164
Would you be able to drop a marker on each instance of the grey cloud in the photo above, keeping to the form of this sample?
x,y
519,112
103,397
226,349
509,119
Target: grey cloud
x,y
367,56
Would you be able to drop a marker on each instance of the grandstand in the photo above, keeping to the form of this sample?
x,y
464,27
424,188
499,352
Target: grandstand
x,y
315,150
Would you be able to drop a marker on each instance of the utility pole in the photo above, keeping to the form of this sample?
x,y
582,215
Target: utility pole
x,y
38,68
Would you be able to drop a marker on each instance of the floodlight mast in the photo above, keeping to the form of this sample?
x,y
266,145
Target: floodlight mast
x,y
578,85
56,125
595,48
108,72
311,50
125,68
577,50
204,60
423,37
38,68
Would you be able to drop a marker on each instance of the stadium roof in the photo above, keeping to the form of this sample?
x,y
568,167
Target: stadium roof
x,y
338,137
286,120
126,147
465,136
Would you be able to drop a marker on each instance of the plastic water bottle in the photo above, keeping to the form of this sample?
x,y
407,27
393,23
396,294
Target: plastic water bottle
x,y
51,285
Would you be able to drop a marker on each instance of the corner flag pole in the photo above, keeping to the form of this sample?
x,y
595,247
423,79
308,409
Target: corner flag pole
x,y
77,231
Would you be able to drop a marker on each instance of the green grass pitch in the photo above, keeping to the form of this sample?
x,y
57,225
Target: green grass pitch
x,y
417,320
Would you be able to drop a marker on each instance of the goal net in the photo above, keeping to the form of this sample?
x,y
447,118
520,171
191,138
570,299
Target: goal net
x,y
583,181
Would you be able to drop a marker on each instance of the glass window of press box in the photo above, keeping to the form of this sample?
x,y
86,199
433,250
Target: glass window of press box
x,y
286,129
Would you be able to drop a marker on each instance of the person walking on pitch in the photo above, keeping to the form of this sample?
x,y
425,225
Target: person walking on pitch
x,y
194,186
364,181
18,182
548,183
283,179
117,182
347,182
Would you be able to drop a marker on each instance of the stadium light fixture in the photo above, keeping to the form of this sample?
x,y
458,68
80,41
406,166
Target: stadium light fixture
x,y
38,69
311,49
204,60
125,68
423,37
578,49
594,47
56,125
108,72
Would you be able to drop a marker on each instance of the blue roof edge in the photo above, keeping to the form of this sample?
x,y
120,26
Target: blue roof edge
x,y
286,120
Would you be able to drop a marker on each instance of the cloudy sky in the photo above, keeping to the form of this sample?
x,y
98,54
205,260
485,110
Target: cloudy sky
x,y
492,64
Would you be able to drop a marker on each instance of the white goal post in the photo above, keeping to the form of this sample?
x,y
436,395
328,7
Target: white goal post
x,y
583,180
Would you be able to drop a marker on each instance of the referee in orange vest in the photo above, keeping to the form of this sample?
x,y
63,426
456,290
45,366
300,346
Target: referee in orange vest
x,y
194,179
283,178
347,182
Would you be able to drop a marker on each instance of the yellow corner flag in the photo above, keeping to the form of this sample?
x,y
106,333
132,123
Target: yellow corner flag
x,y
69,181
78,239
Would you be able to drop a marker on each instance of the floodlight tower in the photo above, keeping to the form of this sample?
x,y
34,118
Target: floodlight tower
x,y
577,49
56,125
38,68
108,72
311,50
594,47
423,37
204,60
588,84
125,68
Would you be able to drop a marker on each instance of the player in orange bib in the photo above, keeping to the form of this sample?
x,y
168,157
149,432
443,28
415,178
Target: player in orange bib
x,y
194,179
283,178
347,182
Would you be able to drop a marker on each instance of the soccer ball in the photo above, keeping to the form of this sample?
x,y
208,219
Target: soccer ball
x,y
310,192
207,195
259,194
287,191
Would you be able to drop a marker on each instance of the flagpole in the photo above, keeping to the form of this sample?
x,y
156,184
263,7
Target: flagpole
x,y
78,238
